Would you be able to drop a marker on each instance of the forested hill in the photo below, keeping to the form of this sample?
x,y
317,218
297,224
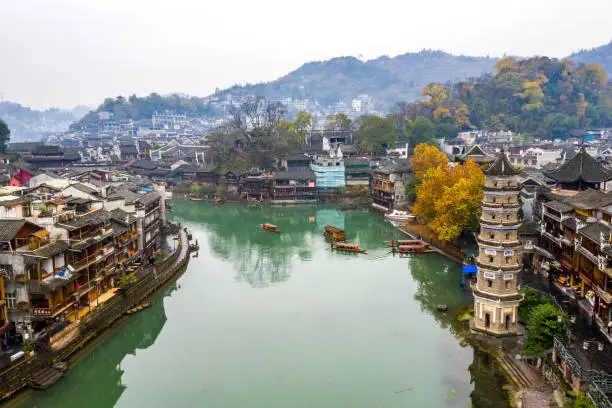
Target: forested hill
x,y
539,97
386,80
599,55
138,108
30,124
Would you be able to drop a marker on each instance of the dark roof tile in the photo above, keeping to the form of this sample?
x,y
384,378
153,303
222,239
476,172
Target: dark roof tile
x,y
581,167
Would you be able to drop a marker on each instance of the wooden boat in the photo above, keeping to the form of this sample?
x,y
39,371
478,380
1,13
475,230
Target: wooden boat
x,y
404,242
270,227
334,233
414,249
441,308
196,199
138,308
219,201
346,247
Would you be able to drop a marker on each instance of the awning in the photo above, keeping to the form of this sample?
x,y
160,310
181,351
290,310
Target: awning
x,y
470,269
41,234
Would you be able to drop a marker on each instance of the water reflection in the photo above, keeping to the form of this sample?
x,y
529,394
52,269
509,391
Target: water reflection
x,y
99,373
488,383
261,258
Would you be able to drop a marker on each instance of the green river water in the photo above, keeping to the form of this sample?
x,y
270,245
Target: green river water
x,y
278,320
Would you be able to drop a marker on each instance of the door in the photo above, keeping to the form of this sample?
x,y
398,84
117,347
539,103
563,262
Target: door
x,y
487,320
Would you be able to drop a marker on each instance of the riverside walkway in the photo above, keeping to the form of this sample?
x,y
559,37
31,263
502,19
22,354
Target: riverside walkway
x,y
51,353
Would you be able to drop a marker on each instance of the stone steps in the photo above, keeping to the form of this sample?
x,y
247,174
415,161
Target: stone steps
x,y
518,374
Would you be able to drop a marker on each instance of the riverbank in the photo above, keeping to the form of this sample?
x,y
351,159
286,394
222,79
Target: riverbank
x,y
420,233
530,389
47,358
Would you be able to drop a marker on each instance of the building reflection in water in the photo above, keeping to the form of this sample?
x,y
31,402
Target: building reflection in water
x,y
100,373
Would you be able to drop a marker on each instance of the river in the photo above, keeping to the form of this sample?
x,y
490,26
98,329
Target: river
x,y
278,320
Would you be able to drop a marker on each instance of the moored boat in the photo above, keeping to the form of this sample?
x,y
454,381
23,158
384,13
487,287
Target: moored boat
x,y
410,246
270,227
334,233
346,247
219,201
398,215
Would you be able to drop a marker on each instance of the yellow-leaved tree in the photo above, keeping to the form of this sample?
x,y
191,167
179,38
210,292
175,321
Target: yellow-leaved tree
x,y
447,198
459,203
425,159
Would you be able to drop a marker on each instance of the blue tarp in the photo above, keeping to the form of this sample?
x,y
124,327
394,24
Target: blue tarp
x,y
469,269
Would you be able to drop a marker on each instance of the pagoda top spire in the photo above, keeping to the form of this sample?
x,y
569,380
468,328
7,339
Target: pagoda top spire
x,y
501,166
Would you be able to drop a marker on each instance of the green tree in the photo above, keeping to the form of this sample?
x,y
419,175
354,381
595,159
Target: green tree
x,y
419,131
559,126
196,190
542,328
339,122
300,128
582,401
5,135
445,130
531,299
376,134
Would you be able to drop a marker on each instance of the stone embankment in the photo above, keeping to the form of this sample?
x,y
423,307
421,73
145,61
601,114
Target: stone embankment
x,y
45,366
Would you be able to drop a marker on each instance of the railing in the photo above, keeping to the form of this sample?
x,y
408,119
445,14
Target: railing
x,y
588,254
599,397
604,380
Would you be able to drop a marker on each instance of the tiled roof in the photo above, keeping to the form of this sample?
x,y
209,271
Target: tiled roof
x,y
559,206
94,217
581,167
294,175
569,223
129,196
9,228
590,199
51,249
596,231
501,167
122,216
148,198
84,188
528,228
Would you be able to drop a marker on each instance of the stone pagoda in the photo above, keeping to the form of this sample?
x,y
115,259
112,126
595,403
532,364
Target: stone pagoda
x,y
496,294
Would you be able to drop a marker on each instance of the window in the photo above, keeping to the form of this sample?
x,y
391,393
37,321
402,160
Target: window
x,y
490,259
492,216
495,184
11,300
507,235
493,199
489,283
507,284
507,261
509,199
26,210
492,235
508,216
509,184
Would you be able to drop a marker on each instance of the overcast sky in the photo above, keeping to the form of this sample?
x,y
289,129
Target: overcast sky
x,y
67,52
